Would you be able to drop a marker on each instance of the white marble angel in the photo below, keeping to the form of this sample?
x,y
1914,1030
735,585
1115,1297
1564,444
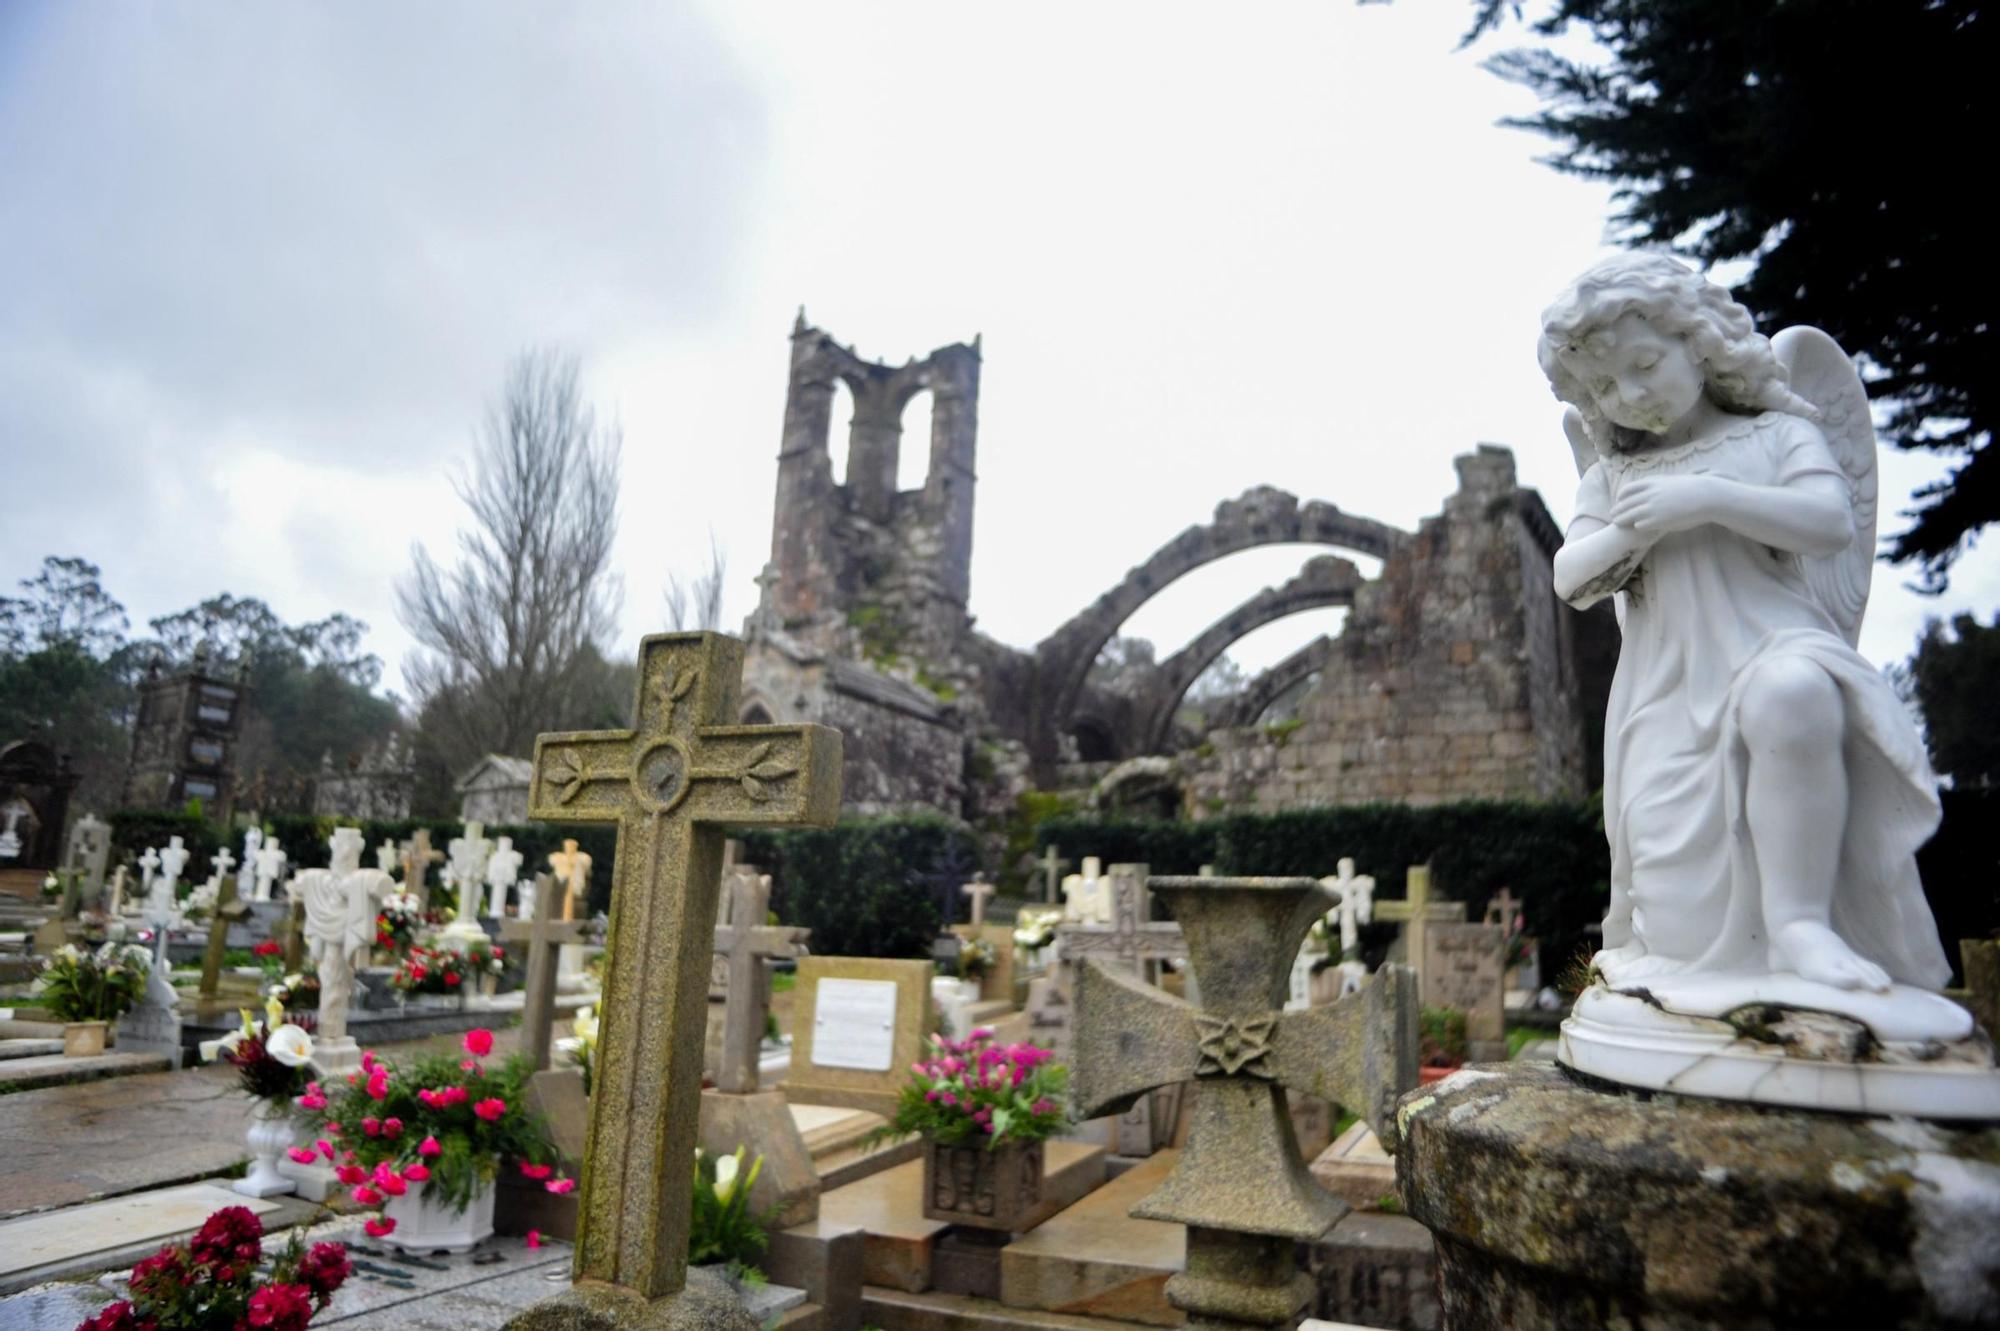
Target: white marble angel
x,y
1764,789
340,905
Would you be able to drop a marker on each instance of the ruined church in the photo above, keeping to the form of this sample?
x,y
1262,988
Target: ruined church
x,y
1458,673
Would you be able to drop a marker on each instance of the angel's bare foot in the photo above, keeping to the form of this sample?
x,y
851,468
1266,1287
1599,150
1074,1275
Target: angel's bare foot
x,y
1616,963
1814,952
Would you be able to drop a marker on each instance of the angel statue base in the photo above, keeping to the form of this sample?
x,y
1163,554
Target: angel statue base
x,y
1765,791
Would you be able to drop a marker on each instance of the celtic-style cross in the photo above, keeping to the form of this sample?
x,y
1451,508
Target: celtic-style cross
x,y
672,785
1240,1186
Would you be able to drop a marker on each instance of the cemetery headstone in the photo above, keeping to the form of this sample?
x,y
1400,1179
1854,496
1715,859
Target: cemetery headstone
x,y
89,852
1356,895
153,1024
253,841
670,784
747,946
858,1024
418,857
227,910
1239,1185
340,903
1463,971
270,867
1087,895
387,858
114,902
538,999
468,858
1052,865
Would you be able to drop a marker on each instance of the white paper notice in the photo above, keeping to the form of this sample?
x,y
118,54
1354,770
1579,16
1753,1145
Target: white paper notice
x,y
854,1024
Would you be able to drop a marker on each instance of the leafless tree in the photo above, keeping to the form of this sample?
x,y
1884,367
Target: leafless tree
x,y
696,603
511,639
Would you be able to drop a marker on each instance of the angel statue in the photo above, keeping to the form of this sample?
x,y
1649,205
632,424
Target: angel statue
x,y
1765,791
340,905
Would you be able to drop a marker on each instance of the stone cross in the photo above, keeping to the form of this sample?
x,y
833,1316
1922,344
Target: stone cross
x,y
172,860
572,868
417,859
1357,903
671,785
469,854
978,892
1504,911
386,857
743,945
148,864
538,999
253,841
1052,866
1418,894
116,901
340,904
503,866
227,910
1239,1186
533,892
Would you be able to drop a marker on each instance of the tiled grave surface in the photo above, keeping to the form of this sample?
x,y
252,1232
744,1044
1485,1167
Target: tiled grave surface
x,y
36,1241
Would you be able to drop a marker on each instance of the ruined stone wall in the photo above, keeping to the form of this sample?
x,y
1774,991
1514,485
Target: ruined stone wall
x,y
1450,680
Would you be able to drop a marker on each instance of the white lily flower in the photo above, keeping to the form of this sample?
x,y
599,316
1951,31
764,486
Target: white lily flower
x,y
725,1177
290,1045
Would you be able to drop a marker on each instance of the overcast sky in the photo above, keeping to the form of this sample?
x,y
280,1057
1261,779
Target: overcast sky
x,y
262,266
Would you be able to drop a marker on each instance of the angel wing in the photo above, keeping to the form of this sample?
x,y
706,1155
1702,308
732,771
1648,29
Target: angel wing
x,y
1822,374
1580,444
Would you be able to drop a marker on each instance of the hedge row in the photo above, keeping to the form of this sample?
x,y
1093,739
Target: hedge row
x,y
1553,857
305,839
867,888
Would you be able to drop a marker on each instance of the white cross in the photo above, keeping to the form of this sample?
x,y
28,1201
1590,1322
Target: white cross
x,y
978,892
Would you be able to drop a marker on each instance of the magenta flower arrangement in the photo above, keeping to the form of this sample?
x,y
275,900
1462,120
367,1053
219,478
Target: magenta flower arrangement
x,y
976,1090
444,1125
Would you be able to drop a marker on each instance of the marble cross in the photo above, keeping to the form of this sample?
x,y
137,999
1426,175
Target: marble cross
x,y
172,860
503,866
469,854
1357,902
978,892
386,857
538,998
148,864
671,785
743,946
1239,1186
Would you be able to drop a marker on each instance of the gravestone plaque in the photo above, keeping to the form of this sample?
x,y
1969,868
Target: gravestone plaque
x,y
843,1001
854,1024
1462,970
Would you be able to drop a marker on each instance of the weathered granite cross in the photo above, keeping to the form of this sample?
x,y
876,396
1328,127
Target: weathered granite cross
x,y
538,998
227,910
978,892
1052,866
1132,937
742,945
1504,911
417,859
1240,1186
671,784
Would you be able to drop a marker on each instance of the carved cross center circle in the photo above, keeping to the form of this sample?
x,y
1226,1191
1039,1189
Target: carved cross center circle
x,y
661,777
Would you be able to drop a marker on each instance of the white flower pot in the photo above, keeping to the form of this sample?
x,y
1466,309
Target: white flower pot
x,y
270,1133
425,1225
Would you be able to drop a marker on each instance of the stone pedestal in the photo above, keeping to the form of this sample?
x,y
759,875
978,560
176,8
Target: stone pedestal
x,y
1559,1205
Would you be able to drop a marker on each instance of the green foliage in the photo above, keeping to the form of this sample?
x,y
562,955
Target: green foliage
x,y
1164,847
721,1228
862,886
1748,129
77,984
1954,676
1443,1037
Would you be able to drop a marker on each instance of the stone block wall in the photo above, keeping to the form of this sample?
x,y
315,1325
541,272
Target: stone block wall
x,y
1451,680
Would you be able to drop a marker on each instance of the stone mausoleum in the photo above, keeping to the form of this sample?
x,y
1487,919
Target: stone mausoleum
x,y
1457,674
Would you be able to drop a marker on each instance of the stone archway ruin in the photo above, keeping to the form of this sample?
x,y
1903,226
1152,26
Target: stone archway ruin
x,y
1259,517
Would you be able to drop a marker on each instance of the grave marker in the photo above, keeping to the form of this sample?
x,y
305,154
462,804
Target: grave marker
x,y
89,852
227,910
1239,1185
670,784
1463,970
340,903
418,857
538,998
859,1024
744,946
1052,866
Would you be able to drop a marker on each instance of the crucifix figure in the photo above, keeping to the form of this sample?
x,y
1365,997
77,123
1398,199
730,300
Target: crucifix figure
x,y
1240,1186
742,946
671,785
538,999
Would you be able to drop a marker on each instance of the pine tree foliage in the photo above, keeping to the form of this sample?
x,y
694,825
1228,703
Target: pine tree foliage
x,y
1833,142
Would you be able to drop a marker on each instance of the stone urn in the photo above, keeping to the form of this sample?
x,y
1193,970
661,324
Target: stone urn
x,y
81,1039
270,1133
426,1223
967,1184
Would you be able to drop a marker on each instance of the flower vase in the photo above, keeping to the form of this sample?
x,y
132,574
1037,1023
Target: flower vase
x,y
428,1224
270,1133
967,1184
81,1039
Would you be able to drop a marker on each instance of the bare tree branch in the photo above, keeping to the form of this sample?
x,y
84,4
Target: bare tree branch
x,y
696,603
511,637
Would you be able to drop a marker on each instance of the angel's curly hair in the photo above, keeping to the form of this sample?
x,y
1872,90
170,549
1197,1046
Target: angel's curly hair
x,y
1740,370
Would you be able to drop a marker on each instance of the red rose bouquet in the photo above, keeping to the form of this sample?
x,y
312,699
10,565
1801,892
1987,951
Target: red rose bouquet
x,y
211,1282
